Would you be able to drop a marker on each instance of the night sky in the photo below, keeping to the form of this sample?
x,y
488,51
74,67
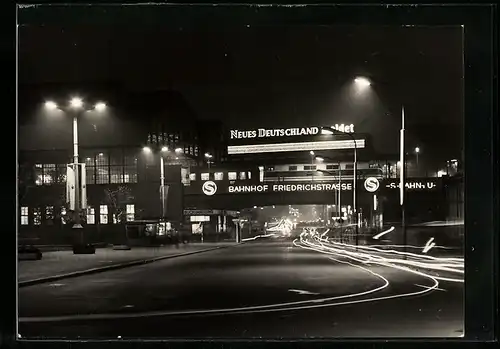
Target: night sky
x,y
273,76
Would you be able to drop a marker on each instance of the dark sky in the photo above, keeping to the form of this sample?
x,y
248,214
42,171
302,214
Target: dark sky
x,y
271,76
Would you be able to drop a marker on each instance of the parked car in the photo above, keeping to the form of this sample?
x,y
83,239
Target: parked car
x,y
28,252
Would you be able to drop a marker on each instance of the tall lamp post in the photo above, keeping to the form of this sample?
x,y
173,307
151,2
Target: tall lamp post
x,y
163,195
76,108
208,156
331,131
364,83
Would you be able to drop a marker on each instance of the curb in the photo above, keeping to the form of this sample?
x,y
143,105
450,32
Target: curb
x,y
111,267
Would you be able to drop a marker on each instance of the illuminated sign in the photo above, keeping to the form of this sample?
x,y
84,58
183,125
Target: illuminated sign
x,y
302,146
195,212
277,132
209,188
344,128
414,185
371,184
264,188
286,132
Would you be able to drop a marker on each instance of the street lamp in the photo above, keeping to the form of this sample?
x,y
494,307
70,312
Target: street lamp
x,y
362,82
77,106
208,156
417,151
164,149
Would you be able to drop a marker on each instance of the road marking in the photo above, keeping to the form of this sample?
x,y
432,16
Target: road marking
x,y
55,285
437,288
302,292
128,306
252,309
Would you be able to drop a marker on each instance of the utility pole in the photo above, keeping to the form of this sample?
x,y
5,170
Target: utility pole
x,y
402,179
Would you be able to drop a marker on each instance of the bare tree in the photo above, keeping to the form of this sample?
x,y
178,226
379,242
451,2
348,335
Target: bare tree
x,y
117,201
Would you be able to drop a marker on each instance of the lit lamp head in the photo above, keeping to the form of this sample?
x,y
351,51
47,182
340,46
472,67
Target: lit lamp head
x,y
319,158
164,149
76,103
208,156
362,82
417,150
311,153
146,150
100,107
178,150
50,105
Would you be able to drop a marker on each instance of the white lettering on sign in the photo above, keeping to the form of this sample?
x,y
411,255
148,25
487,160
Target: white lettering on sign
x,y
279,132
247,188
413,185
311,187
344,128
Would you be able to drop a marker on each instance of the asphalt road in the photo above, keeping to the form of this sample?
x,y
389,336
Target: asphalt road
x,y
255,290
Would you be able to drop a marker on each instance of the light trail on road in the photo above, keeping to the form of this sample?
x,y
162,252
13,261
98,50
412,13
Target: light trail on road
x,y
337,252
425,262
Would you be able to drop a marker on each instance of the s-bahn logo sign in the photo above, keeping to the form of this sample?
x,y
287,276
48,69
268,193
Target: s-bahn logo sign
x,y
209,188
371,184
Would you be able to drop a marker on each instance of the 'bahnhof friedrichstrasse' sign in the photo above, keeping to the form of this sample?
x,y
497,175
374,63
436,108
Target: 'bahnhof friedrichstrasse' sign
x,y
286,132
369,185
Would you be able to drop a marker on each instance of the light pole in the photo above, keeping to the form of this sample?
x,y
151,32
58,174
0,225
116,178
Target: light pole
x,y
208,156
363,83
164,150
76,106
331,131
311,153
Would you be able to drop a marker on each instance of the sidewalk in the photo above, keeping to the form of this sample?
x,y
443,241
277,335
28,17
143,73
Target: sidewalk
x,y
58,264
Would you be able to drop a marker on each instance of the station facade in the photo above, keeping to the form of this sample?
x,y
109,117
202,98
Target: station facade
x,y
245,169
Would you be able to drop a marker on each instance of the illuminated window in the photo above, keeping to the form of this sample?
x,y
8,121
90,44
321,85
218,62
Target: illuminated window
x,y
249,175
102,169
49,214
61,173
292,168
49,173
232,176
116,174
309,168
205,176
103,211
130,170
332,167
90,215
243,176
24,216
46,174
192,176
130,210
219,176
63,215
37,216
